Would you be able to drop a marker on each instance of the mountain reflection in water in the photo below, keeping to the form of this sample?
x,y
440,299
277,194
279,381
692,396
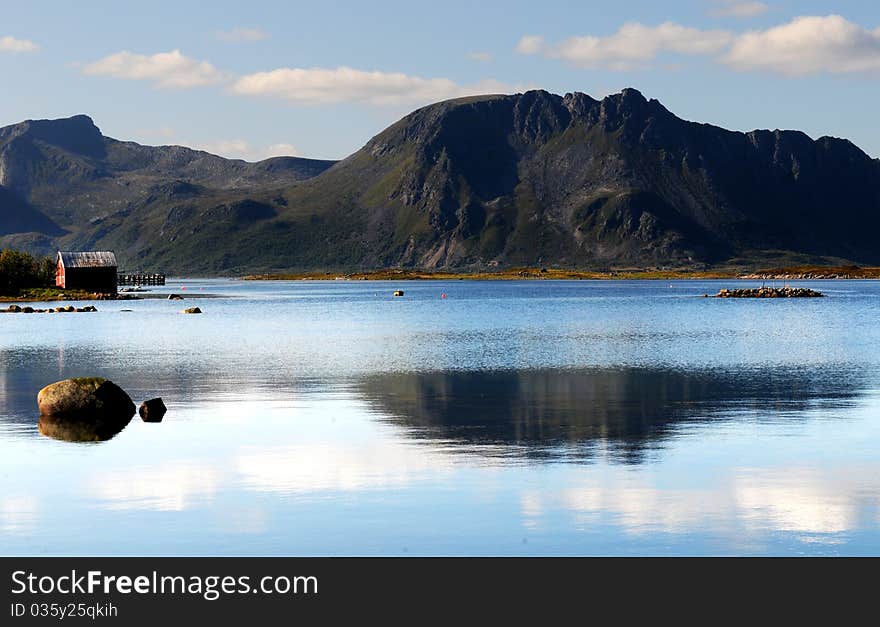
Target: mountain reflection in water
x,y
568,413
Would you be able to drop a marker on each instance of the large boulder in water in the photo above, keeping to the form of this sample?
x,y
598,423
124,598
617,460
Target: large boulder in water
x,y
90,399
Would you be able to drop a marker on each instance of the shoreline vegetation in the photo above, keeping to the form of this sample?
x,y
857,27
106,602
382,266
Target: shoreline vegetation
x,y
46,295
26,278
560,274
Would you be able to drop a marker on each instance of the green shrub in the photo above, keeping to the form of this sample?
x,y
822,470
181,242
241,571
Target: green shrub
x,y
19,270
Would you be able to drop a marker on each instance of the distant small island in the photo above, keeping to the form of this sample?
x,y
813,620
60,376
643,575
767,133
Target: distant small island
x,y
770,292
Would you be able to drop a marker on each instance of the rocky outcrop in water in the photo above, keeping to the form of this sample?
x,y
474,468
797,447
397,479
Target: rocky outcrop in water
x,y
83,409
88,398
770,292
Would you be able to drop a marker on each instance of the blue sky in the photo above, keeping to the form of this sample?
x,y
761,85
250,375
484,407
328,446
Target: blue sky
x,y
320,78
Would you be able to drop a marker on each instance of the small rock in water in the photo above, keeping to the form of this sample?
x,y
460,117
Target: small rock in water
x,y
152,410
175,297
192,310
62,309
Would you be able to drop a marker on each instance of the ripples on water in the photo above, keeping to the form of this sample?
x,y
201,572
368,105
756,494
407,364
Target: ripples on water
x,y
509,418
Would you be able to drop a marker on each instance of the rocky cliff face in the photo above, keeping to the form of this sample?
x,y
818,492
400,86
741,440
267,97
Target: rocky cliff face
x,y
527,179
542,179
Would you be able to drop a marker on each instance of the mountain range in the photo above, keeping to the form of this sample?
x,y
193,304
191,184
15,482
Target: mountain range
x,y
481,182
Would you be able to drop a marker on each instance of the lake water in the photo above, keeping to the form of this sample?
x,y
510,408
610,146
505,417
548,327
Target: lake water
x,y
509,418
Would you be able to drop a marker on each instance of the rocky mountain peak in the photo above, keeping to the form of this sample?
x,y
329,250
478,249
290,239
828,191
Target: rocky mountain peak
x,y
77,134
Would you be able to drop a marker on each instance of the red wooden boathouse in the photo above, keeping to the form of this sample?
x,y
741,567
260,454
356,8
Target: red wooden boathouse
x,y
92,271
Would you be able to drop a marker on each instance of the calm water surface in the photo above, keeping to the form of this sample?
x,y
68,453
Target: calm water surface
x,y
510,418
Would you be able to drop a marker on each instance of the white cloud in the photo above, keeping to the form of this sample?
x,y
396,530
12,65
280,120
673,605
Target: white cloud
x,y
640,507
170,488
12,44
736,8
18,514
531,508
804,46
312,86
162,132
805,502
743,506
339,466
482,57
530,44
242,149
165,69
281,150
233,148
635,44
808,45
242,35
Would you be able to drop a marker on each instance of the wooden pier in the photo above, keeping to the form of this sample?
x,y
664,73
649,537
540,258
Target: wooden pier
x,y
140,279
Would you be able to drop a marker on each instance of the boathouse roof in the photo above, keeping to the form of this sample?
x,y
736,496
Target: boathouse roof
x,y
91,259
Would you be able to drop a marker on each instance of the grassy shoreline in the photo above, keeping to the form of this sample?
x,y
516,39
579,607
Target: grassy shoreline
x,y
516,274
47,294
558,274
50,294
